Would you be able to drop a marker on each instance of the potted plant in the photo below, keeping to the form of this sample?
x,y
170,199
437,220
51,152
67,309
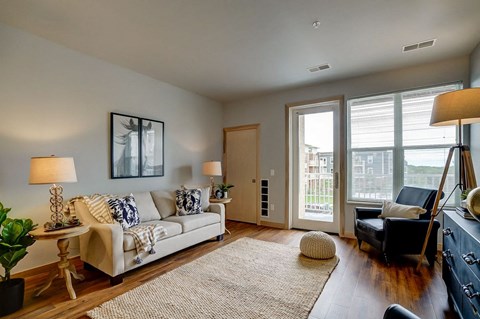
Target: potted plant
x,y
224,188
14,240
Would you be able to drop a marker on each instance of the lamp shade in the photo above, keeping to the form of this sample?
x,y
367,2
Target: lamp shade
x,y
457,107
51,170
212,168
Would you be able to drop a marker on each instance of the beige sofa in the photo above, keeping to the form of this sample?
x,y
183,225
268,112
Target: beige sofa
x,y
107,248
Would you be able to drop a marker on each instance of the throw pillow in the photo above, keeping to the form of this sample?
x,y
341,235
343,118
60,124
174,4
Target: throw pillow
x,y
391,209
188,201
124,210
205,197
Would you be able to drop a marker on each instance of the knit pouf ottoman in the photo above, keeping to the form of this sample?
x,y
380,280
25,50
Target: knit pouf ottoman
x,y
318,245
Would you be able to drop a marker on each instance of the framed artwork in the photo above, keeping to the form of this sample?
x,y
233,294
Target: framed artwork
x,y
136,146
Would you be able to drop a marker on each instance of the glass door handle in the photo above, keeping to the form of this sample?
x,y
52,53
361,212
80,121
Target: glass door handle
x,y
335,180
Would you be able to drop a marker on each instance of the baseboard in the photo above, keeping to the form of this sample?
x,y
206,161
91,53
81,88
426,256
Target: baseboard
x,y
272,224
349,235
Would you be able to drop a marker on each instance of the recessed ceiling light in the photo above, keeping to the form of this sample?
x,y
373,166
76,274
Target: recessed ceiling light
x,y
317,68
316,24
419,45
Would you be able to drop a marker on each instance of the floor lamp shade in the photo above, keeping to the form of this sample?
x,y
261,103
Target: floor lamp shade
x,y
456,108
52,170
212,168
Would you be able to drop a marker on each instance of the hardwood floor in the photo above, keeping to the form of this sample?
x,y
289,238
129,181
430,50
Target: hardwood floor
x,y
361,286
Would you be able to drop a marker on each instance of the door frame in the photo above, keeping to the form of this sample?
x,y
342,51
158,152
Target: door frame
x,y
255,127
289,107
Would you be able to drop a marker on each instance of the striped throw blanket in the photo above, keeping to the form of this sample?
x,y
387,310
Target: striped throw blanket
x,y
145,236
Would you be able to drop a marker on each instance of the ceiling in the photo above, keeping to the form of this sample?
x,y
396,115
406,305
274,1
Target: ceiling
x,y
234,49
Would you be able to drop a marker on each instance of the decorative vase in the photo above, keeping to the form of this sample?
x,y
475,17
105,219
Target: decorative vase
x,y
473,203
11,295
225,194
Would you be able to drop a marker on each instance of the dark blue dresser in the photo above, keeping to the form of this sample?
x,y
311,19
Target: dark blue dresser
x,y
461,263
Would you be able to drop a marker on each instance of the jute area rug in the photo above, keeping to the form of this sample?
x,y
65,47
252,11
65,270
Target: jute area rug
x,y
246,279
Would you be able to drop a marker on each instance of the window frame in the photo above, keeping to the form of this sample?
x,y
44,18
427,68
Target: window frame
x,y
398,149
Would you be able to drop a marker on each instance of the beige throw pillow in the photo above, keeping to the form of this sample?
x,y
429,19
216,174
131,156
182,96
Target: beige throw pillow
x,y
391,209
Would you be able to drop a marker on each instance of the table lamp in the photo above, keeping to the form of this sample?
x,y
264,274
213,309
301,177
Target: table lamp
x,y
454,108
212,168
53,170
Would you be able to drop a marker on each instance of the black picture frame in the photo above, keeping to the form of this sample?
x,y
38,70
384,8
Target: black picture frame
x,y
136,146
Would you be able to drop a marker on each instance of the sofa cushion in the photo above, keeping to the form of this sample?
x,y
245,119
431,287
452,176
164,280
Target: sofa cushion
x,y
172,229
188,201
146,207
192,222
124,210
372,226
165,203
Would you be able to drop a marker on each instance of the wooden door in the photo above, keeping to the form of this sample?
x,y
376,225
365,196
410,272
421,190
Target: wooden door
x,y
241,170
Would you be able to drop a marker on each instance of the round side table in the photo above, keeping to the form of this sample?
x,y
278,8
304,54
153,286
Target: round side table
x,y
66,270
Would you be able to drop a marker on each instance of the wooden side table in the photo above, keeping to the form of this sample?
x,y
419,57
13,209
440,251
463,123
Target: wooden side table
x,y
222,201
66,270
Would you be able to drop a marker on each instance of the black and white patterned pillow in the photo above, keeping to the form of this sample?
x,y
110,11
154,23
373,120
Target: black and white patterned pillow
x,y
188,201
124,210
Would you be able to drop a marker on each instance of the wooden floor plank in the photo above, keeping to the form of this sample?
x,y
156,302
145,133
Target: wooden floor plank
x,y
361,286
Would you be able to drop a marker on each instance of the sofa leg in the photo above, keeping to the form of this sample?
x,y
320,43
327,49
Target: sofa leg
x,y
116,280
220,237
359,244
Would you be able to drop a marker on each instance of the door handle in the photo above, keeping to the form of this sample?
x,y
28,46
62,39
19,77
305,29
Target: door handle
x,y
253,180
335,180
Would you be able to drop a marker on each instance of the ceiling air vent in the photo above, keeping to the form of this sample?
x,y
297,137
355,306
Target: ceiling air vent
x,y
319,68
420,45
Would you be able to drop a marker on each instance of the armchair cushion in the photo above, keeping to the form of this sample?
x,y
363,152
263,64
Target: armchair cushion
x,y
391,209
372,226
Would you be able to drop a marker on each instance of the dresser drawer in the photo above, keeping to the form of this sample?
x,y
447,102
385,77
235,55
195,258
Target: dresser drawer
x,y
470,251
452,234
470,289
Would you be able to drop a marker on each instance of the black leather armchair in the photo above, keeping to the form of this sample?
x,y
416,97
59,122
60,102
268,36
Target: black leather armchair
x,y
396,311
397,236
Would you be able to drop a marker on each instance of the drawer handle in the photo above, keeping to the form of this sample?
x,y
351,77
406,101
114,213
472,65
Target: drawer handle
x,y
469,293
470,258
447,231
447,254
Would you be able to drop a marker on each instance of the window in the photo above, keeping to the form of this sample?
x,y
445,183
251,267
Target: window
x,y
391,133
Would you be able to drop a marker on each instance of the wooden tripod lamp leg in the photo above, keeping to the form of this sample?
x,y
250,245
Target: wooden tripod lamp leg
x,y
435,205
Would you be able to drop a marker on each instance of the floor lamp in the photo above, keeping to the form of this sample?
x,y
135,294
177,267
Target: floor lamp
x,y
454,108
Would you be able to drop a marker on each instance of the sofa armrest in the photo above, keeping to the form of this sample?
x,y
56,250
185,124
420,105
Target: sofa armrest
x,y
219,209
102,247
367,212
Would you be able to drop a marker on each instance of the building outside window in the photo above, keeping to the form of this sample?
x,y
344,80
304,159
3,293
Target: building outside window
x,y
391,144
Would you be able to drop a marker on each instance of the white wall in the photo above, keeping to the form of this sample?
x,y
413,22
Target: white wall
x,y
475,129
55,100
269,111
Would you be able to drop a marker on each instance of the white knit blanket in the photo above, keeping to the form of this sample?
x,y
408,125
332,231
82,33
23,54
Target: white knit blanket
x,y
145,236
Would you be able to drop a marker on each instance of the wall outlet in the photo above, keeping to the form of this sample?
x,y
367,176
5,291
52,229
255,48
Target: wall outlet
x,y
272,172
272,207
